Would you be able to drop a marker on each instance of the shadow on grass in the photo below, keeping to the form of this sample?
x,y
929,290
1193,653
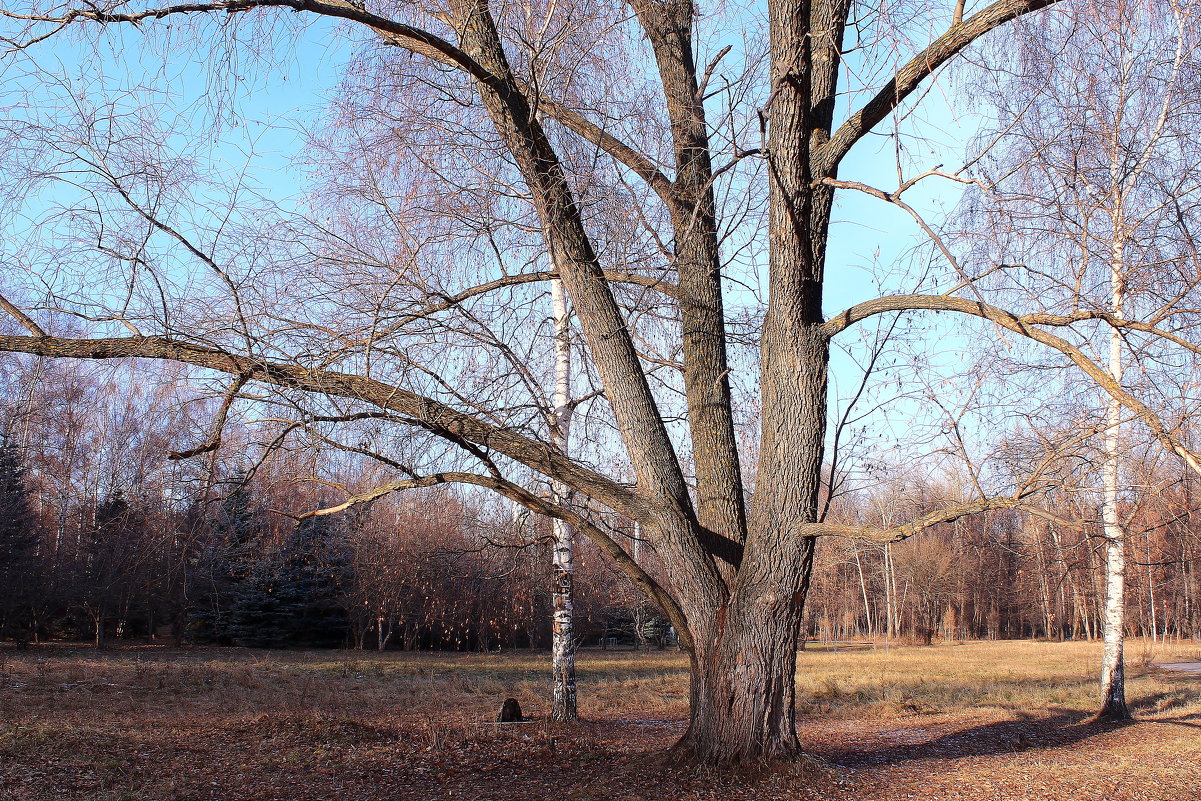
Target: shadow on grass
x,y
1059,729
1191,721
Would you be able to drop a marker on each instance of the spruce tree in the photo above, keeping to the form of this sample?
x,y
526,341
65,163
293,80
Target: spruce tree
x,y
18,541
232,562
316,571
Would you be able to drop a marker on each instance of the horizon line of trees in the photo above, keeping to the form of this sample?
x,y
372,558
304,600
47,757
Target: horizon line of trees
x,y
102,536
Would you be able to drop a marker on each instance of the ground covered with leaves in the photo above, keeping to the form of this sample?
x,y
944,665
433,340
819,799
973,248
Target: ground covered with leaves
x,y
955,721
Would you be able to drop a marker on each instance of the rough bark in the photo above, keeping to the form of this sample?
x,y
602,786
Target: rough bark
x,y
742,689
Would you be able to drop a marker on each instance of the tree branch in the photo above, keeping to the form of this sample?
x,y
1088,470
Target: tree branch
x,y
1025,325
450,301
407,36
909,77
21,317
944,515
576,122
214,440
540,506
439,418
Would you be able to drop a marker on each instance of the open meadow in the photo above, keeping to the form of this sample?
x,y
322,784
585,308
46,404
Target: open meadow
x,y
980,720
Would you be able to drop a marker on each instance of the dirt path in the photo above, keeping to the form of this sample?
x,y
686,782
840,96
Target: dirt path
x,y
1182,667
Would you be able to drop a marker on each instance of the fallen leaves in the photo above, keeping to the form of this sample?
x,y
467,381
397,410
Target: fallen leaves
x,y
218,725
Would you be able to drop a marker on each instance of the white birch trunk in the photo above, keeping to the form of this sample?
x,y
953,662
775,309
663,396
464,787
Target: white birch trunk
x,y
1113,667
890,593
563,697
1151,589
867,607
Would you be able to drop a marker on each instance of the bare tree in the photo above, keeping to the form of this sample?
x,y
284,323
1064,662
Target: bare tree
x,y
346,326
1096,193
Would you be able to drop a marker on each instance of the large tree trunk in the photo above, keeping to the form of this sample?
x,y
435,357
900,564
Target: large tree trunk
x,y
742,693
744,658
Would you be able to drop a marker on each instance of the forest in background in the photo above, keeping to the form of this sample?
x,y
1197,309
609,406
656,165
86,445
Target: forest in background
x,y
103,536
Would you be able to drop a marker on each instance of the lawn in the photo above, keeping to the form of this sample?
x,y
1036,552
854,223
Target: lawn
x,y
990,720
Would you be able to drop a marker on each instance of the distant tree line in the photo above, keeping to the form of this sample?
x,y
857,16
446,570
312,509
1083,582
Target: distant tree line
x,y
1010,575
103,537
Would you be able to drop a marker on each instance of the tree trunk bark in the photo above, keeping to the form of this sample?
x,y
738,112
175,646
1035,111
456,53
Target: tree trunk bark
x,y
1113,667
743,696
563,695
99,639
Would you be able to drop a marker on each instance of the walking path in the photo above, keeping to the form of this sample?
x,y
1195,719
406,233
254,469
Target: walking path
x,y
1183,667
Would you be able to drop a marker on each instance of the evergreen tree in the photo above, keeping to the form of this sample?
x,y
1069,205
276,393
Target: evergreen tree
x,y
316,571
294,599
262,608
229,563
108,561
18,542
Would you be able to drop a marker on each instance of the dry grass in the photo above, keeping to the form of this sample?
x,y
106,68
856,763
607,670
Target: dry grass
x,y
151,723
1007,675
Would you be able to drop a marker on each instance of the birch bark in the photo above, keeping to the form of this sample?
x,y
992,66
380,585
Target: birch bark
x,y
563,700
1113,667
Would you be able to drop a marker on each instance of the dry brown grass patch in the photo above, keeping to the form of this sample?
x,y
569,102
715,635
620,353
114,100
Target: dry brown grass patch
x,y
233,724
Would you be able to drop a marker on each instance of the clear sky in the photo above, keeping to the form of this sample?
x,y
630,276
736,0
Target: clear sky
x,y
246,111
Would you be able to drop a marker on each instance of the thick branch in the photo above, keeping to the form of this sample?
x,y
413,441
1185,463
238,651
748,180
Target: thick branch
x,y
920,67
639,421
425,411
698,261
944,515
1025,325
21,317
407,36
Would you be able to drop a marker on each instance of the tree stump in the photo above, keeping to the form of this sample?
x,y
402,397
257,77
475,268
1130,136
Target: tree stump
x,y
510,712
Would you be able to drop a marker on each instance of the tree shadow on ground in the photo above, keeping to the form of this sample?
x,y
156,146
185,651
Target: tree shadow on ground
x,y
1180,694
1058,729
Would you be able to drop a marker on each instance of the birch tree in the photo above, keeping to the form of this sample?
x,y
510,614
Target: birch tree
x,y
324,316
1096,193
563,699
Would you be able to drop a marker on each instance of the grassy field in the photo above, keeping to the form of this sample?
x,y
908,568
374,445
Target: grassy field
x,y
995,720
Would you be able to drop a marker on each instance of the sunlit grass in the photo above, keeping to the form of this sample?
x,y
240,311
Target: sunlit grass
x,y
860,679
1012,675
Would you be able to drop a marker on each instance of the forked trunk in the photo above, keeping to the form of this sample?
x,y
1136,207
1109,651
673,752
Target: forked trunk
x,y
743,688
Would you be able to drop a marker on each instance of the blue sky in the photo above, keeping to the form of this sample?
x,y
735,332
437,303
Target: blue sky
x,y
252,112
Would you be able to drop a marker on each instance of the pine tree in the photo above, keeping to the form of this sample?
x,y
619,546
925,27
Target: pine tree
x,y
316,571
